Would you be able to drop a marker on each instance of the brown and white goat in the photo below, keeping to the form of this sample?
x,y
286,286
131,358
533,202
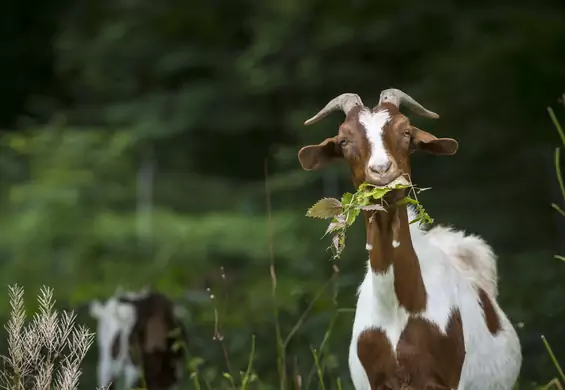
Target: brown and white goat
x,y
134,339
427,315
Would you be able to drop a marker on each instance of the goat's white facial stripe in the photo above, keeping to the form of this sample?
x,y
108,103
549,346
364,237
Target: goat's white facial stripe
x,y
374,122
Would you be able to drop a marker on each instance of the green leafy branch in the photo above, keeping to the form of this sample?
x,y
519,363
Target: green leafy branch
x,y
368,198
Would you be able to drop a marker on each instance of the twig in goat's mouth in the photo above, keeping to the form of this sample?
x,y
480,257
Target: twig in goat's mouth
x,y
367,198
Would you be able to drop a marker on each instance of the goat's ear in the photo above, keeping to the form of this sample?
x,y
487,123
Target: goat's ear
x,y
314,157
96,309
426,142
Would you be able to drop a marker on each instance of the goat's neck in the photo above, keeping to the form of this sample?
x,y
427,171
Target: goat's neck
x,y
407,277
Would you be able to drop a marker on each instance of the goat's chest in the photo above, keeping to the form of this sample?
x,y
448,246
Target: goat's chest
x,y
388,343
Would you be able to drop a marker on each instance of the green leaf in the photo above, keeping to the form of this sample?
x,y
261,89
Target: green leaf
x,y
562,258
325,208
352,215
407,200
346,199
345,213
378,193
338,223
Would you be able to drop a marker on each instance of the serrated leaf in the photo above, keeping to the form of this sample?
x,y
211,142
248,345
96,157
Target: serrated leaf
x,y
351,215
325,208
378,193
335,225
363,197
374,207
407,200
346,199
363,186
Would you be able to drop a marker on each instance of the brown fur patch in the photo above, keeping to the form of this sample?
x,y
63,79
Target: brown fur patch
x,y
433,359
426,358
377,358
491,317
116,346
408,283
156,334
150,342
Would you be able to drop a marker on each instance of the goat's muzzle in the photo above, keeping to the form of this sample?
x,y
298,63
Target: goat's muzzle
x,y
379,177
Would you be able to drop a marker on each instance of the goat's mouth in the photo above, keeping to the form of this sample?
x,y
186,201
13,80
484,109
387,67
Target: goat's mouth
x,y
396,184
387,179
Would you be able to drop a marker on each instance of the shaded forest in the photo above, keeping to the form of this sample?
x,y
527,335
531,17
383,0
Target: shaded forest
x,y
136,137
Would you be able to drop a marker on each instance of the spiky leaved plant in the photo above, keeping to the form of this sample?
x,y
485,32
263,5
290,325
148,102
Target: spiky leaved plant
x,y
46,352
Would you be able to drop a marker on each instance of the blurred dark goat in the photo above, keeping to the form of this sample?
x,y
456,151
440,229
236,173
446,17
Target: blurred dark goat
x,y
136,333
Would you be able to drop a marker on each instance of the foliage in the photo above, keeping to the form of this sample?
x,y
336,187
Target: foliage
x,y
47,352
368,198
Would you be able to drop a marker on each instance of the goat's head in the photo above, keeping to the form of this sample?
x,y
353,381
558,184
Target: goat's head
x,y
376,143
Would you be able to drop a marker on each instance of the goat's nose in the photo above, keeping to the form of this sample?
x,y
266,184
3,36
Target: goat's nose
x,y
380,168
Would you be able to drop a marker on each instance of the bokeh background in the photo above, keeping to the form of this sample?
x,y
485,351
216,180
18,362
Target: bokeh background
x,y
135,137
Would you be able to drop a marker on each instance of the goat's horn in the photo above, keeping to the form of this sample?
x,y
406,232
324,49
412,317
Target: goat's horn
x,y
397,97
344,102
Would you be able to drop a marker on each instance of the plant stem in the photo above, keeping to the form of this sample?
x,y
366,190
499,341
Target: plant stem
x,y
557,124
553,358
558,172
281,352
319,369
249,364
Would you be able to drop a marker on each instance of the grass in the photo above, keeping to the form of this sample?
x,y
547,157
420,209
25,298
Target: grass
x,y
559,381
246,378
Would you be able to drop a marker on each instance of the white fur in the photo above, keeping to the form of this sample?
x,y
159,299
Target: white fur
x,y
471,254
115,319
491,362
374,122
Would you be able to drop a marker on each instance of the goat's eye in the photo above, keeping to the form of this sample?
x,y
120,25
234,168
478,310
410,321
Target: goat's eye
x,y
407,133
343,142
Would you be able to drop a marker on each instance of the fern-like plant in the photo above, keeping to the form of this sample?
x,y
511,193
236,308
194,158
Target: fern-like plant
x,y
46,352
